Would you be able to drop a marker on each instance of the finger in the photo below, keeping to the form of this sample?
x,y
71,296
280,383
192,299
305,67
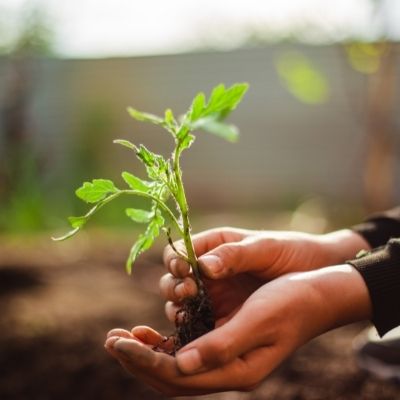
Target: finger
x,y
202,242
176,265
176,290
167,286
172,311
142,355
222,345
109,346
186,288
147,335
119,332
228,259
160,370
155,368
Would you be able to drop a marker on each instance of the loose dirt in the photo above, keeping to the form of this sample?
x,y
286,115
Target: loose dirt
x,y
59,301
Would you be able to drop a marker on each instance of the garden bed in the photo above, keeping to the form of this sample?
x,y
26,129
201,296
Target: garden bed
x,y
56,312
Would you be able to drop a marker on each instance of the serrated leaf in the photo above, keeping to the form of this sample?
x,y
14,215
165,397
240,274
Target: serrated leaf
x,y
125,143
146,156
77,222
234,95
95,191
222,101
143,116
197,107
145,240
215,97
134,253
140,216
221,129
136,183
156,165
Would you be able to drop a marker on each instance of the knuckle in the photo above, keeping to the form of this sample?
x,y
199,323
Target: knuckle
x,y
233,255
190,287
221,352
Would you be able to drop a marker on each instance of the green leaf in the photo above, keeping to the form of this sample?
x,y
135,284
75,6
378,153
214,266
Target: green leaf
x,y
222,101
146,156
95,191
187,141
234,95
146,117
135,252
136,183
145,240
125,143
226,131
169,121
156,165
183,130
77,222
140,216
216,96
197,107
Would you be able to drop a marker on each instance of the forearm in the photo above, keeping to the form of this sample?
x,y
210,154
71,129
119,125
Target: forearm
x,y
330,297
343,245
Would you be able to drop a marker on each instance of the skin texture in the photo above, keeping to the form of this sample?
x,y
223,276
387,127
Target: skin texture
x,y
271,295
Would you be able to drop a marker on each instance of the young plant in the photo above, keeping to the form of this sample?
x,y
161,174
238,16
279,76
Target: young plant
x,y
165,188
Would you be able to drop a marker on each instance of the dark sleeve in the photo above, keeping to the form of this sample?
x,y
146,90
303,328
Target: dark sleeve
x,y
380,270
379,228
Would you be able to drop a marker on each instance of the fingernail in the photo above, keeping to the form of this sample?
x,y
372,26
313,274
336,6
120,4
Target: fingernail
x,y
173,263
180,290
212,263
110,342
189,361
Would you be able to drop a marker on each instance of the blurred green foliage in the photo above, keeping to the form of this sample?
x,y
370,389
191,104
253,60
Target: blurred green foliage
x,y
22,200
302,78
364,57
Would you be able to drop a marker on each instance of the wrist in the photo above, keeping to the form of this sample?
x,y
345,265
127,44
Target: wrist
x,y
343,296
343,245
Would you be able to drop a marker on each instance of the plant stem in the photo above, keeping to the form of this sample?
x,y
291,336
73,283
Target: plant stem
x,y
184,209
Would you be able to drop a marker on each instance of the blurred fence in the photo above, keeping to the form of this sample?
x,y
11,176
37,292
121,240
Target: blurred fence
x,y
304,124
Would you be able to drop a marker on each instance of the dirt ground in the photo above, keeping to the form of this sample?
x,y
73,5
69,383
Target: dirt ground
x,y
59,300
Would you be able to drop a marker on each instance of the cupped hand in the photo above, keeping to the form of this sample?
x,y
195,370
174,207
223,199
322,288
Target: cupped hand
x,y
275,319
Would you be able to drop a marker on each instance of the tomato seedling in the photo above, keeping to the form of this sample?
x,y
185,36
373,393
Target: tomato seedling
x,y
165,190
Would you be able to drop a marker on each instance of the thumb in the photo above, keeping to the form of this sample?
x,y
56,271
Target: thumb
x,y
229,259
215,348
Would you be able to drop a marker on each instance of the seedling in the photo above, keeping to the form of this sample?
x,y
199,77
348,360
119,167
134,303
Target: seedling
x,y
165,190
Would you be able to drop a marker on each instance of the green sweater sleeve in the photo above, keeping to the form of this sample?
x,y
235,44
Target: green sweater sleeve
x,y
380,270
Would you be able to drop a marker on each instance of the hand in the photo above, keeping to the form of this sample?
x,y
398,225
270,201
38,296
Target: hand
x,y
276,319
238,261
225,252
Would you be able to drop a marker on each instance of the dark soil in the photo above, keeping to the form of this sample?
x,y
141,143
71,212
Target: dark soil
x,y
197,319
194,319
59,301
